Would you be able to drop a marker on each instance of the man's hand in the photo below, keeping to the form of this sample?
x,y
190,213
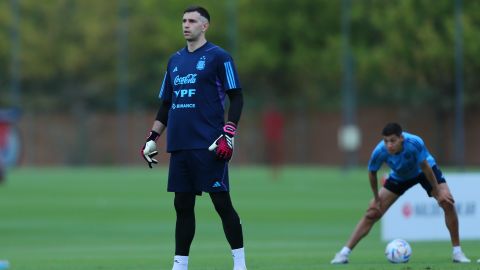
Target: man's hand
x,y
374,210
441,195
224,143
149,150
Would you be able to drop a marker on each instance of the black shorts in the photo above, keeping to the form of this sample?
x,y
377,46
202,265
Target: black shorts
x,y
197,171
399,187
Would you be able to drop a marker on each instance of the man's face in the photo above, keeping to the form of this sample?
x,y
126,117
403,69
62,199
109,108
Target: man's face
x,y
393,143
193,25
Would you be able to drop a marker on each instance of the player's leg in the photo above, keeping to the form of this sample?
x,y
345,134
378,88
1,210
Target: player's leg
x,y
231,226
180,182
230,219
451,218
2,170
211,175
372,215
1,173
184,229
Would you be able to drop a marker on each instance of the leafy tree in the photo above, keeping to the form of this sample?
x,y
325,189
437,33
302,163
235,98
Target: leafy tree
x,y
403,50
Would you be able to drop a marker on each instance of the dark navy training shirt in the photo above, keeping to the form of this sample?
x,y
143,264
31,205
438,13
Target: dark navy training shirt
x,y
196,84
406,164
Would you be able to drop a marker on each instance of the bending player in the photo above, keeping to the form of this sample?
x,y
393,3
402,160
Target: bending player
x,y
410,164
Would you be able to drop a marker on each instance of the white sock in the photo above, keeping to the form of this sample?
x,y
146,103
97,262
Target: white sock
x,y
457,249
345,251
180,263
239,257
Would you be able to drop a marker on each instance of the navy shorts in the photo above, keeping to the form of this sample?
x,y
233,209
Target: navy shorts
x,y
399,187
197,171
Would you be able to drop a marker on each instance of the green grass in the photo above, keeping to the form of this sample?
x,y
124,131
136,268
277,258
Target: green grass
x,y
122,218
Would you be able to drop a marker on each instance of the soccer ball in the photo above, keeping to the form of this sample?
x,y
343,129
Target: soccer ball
x,y
398,251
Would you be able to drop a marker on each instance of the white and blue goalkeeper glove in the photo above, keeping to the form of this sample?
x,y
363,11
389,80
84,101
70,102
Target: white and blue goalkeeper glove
x,y
149,150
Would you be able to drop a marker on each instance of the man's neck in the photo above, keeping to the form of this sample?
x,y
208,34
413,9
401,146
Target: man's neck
x,y
193,45
399,150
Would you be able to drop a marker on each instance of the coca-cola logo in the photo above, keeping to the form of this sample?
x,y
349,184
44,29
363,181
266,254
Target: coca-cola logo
x,y
188,79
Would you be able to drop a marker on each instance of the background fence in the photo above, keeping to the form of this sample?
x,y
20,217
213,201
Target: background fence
x,y
309,137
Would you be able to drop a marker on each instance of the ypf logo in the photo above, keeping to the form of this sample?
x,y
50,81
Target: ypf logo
x,y
185,93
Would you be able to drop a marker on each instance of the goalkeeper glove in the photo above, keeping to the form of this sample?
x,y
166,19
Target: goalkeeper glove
x,y
225,142
149,150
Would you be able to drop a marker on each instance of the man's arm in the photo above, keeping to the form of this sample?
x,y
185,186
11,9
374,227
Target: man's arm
x,y
374,164
432,179
224,144
160,123
158,127
149,149
372,176
236,106
374,211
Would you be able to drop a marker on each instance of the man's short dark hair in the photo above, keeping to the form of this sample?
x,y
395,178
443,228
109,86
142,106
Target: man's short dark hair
x,y
392,129
203,12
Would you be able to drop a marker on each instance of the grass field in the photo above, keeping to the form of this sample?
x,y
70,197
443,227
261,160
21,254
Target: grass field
x,y
122,218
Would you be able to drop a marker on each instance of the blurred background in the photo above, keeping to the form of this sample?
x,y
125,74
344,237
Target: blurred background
x,y
320,78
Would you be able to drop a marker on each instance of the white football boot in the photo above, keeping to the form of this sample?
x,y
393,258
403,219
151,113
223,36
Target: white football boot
x,y
180,263
340,259
460,257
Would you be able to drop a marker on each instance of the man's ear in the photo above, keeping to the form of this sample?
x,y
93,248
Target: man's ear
x,y
205,27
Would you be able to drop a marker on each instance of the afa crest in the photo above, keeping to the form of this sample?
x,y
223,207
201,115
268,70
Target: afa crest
x,y
201,63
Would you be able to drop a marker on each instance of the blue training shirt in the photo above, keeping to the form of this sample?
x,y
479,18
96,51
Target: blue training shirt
x,y
406,164
196,84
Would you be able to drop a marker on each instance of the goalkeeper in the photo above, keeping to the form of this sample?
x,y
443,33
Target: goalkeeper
x,y
196,82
